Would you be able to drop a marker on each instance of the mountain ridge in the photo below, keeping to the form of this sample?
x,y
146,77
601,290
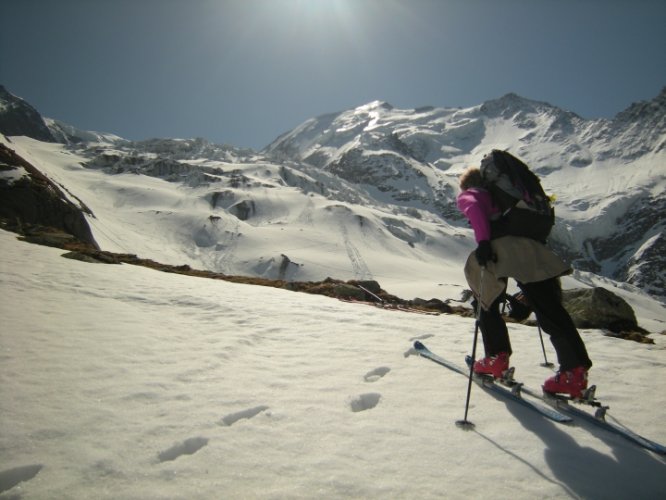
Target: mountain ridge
x,y
403,164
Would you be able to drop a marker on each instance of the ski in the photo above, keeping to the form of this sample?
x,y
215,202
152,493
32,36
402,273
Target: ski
x,y
559,408
563,404
598,419
487,383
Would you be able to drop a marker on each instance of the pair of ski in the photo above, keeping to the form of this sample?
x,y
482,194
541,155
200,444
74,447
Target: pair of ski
x,y
556,408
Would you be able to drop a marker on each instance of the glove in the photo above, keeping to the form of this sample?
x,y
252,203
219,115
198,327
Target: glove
x,y
484,253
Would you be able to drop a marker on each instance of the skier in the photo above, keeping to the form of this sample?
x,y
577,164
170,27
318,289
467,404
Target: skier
x,y
536,270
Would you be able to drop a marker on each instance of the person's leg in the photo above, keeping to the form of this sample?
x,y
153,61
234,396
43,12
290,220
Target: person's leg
x,y
495,341
493,330
545,299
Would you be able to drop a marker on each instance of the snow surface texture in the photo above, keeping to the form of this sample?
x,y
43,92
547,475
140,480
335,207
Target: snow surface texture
x,y
124,382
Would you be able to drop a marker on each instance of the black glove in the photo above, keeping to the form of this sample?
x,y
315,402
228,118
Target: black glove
x,y
484,253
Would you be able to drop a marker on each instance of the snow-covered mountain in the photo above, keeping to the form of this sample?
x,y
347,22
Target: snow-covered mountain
x,y
609,176
369,193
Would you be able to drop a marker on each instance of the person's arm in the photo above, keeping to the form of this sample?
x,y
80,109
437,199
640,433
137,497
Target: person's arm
x,y
476,208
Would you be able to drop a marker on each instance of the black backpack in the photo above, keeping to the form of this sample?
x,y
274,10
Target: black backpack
x,y
526,209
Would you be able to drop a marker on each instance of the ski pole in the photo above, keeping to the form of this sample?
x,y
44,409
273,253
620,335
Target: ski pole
x,y
545,363
464,423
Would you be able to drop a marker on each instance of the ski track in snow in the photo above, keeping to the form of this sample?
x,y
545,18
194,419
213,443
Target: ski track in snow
x,y
306,215
360,269
228,250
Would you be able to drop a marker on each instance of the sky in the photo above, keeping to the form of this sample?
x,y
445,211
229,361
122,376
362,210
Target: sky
x,y
243,72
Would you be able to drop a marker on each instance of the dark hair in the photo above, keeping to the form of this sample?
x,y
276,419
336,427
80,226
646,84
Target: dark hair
x,y
470,178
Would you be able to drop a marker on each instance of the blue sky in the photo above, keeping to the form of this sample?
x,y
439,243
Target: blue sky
x,y
242,72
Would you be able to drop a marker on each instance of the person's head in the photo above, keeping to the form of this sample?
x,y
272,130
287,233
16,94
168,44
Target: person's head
x,y
470,178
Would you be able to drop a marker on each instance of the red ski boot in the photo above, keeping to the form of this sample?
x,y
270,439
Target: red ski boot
x,y
571,382
492,365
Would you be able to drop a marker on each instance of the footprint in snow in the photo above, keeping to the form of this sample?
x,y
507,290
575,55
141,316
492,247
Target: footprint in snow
x,y
188,447
376,374
11,477
232,418
365,402
410,352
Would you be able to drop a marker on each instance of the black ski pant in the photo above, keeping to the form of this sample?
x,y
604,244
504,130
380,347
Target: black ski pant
x,y
545,298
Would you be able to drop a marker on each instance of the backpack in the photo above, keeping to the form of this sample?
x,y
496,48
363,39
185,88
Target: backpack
x,y
526,210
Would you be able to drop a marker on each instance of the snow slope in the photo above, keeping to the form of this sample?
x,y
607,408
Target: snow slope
x,y
292,231
202,224
124,382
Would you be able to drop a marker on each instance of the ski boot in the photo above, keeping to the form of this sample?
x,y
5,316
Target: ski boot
x,y
495,365
572,383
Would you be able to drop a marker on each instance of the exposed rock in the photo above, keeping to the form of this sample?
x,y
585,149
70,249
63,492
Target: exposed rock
x,y
243,209
47,236
432,304
346,291
370,285
17,117
599,308
33,200
82,257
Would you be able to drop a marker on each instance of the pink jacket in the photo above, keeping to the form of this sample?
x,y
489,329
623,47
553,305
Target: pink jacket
x,y
478,207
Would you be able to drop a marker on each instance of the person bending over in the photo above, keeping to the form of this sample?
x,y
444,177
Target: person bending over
x,y
536,270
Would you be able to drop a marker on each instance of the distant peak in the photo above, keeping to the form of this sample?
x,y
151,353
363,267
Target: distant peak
x,y
513,102
375,105
6,95
512,99
511,96
651,111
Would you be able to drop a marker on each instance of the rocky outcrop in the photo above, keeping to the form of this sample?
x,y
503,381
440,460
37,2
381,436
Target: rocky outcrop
x,y
601,308
17,117
29,200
